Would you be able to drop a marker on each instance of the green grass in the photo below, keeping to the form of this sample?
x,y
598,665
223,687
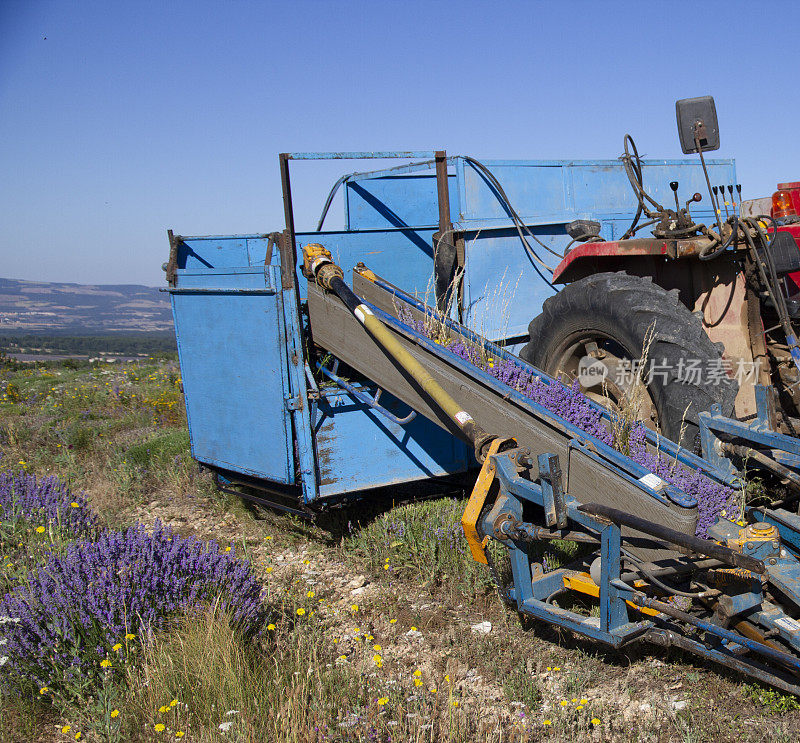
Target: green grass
x,y
119,433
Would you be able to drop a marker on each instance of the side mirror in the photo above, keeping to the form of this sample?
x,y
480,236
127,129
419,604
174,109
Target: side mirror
x,y
697,117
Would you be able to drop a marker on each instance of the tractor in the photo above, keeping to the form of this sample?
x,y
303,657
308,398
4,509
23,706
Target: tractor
x,y
710,307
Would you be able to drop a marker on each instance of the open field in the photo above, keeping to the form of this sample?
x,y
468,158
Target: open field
x,y
369,626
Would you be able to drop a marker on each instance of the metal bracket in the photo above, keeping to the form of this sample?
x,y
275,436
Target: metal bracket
x,y
555,512
371,402
477,500
293,403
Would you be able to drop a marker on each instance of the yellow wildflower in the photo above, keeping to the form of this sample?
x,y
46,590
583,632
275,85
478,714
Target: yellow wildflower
x,y
267,538
382,701
595,721
547,722
454,702
376,648
417,673
269,570
115,713
378,660
310,594
129,636
392,621
354,608
432,690
78,735
173,703
180,734
44,690
117,647
105,663
584,701
579,707
574,701
163,709
66,729
563,702
413,629
417,682
447,677
40,529
270,627
301,611
159,727
75,505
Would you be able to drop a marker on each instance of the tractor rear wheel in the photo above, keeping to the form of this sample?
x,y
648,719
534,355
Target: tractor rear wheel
x,y
614,319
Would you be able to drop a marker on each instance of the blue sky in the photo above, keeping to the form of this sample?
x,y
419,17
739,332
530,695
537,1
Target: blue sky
x,y
119,120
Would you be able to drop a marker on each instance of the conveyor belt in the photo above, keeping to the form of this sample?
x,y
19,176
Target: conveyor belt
x,y
593,471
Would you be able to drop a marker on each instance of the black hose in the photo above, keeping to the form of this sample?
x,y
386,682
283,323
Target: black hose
x,y
517,220
633,169
639,566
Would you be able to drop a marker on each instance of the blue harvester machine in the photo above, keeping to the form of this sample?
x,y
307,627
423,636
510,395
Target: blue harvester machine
x,y
305,393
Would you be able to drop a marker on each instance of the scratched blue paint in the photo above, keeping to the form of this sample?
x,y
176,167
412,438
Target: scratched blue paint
x,y
358,448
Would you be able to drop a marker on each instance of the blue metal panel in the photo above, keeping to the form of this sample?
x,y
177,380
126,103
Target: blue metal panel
x,y
503,290
233,364
396,201
357,448
221,251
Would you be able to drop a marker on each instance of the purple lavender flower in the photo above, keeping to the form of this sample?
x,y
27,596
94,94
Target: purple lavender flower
x,y
44,500
96,592
570,404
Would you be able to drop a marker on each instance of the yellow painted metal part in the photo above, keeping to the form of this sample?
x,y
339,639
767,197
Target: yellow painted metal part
x,y
583,583
311,254
758,532
366,273
475,504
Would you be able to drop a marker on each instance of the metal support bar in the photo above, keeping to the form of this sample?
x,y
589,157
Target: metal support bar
x,y
287,244
366,399
667,638
700,546
376,155
444,251
225,290
640,599
613,613
555,512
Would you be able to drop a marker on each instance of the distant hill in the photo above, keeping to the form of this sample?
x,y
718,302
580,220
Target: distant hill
x,y
78,309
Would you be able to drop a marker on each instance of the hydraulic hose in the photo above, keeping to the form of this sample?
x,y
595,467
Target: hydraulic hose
x,y
664,533
519,225
329,276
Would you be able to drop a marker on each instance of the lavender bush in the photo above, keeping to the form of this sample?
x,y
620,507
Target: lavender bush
x,y
569,403
43,502
78,611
